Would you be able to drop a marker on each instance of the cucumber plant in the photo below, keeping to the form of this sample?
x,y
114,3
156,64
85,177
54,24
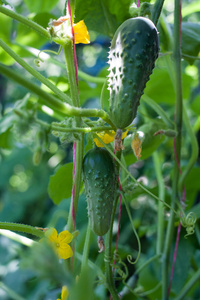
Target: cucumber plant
x,y
134,50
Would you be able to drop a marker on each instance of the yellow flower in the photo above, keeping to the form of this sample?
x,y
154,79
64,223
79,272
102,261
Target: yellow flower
x,y
136,145
60,242
64,293
107,137
81,34
60,31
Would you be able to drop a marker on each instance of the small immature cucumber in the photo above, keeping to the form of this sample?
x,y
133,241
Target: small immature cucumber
x,y
99,176
132,56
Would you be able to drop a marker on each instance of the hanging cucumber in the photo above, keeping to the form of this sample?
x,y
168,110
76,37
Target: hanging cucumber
x,y
99,176
132,56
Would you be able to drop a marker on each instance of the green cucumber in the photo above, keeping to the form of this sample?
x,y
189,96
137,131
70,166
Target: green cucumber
x,y
134,50
99,176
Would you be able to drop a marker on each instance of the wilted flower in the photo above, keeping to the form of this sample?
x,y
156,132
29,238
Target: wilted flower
x,y
136,145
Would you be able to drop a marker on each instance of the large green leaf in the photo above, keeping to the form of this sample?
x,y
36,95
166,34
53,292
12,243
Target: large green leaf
x,y
160,86
5,34
190,40
28,37
6,139
37,6
6,122
192,186
120,9
97,16
60,184
183,259
196,105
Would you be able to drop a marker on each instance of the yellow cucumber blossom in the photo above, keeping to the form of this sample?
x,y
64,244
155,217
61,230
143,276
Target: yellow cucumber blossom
x,y
81,34
61,33
107,137
60,242
64,293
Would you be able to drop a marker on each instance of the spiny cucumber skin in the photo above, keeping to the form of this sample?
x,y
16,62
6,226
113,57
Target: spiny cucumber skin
x,y
99,176
134,50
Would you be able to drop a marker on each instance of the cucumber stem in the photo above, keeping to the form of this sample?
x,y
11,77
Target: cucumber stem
x,y
22,228
108,257
108,247
78,147
161,188
84,263
177,146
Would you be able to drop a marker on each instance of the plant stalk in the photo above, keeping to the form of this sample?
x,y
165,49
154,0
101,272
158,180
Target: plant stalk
x,y
22,228
177,146
78,147
161,188
194,146
84,262
108,257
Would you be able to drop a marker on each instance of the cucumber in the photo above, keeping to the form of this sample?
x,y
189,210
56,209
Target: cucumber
x,y
134,50
99,175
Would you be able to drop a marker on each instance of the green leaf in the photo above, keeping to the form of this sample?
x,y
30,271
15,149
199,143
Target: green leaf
x,y
6,122
190,40
5,34
97,16
192,186
6,27
185,254
196,105
190,8
5,140
60,184
28,37
101,15
87,91
120,9
160,87
38,6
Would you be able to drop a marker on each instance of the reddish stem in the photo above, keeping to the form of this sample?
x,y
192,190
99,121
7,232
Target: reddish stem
x,y
73,41
183,195
74,144
73,187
